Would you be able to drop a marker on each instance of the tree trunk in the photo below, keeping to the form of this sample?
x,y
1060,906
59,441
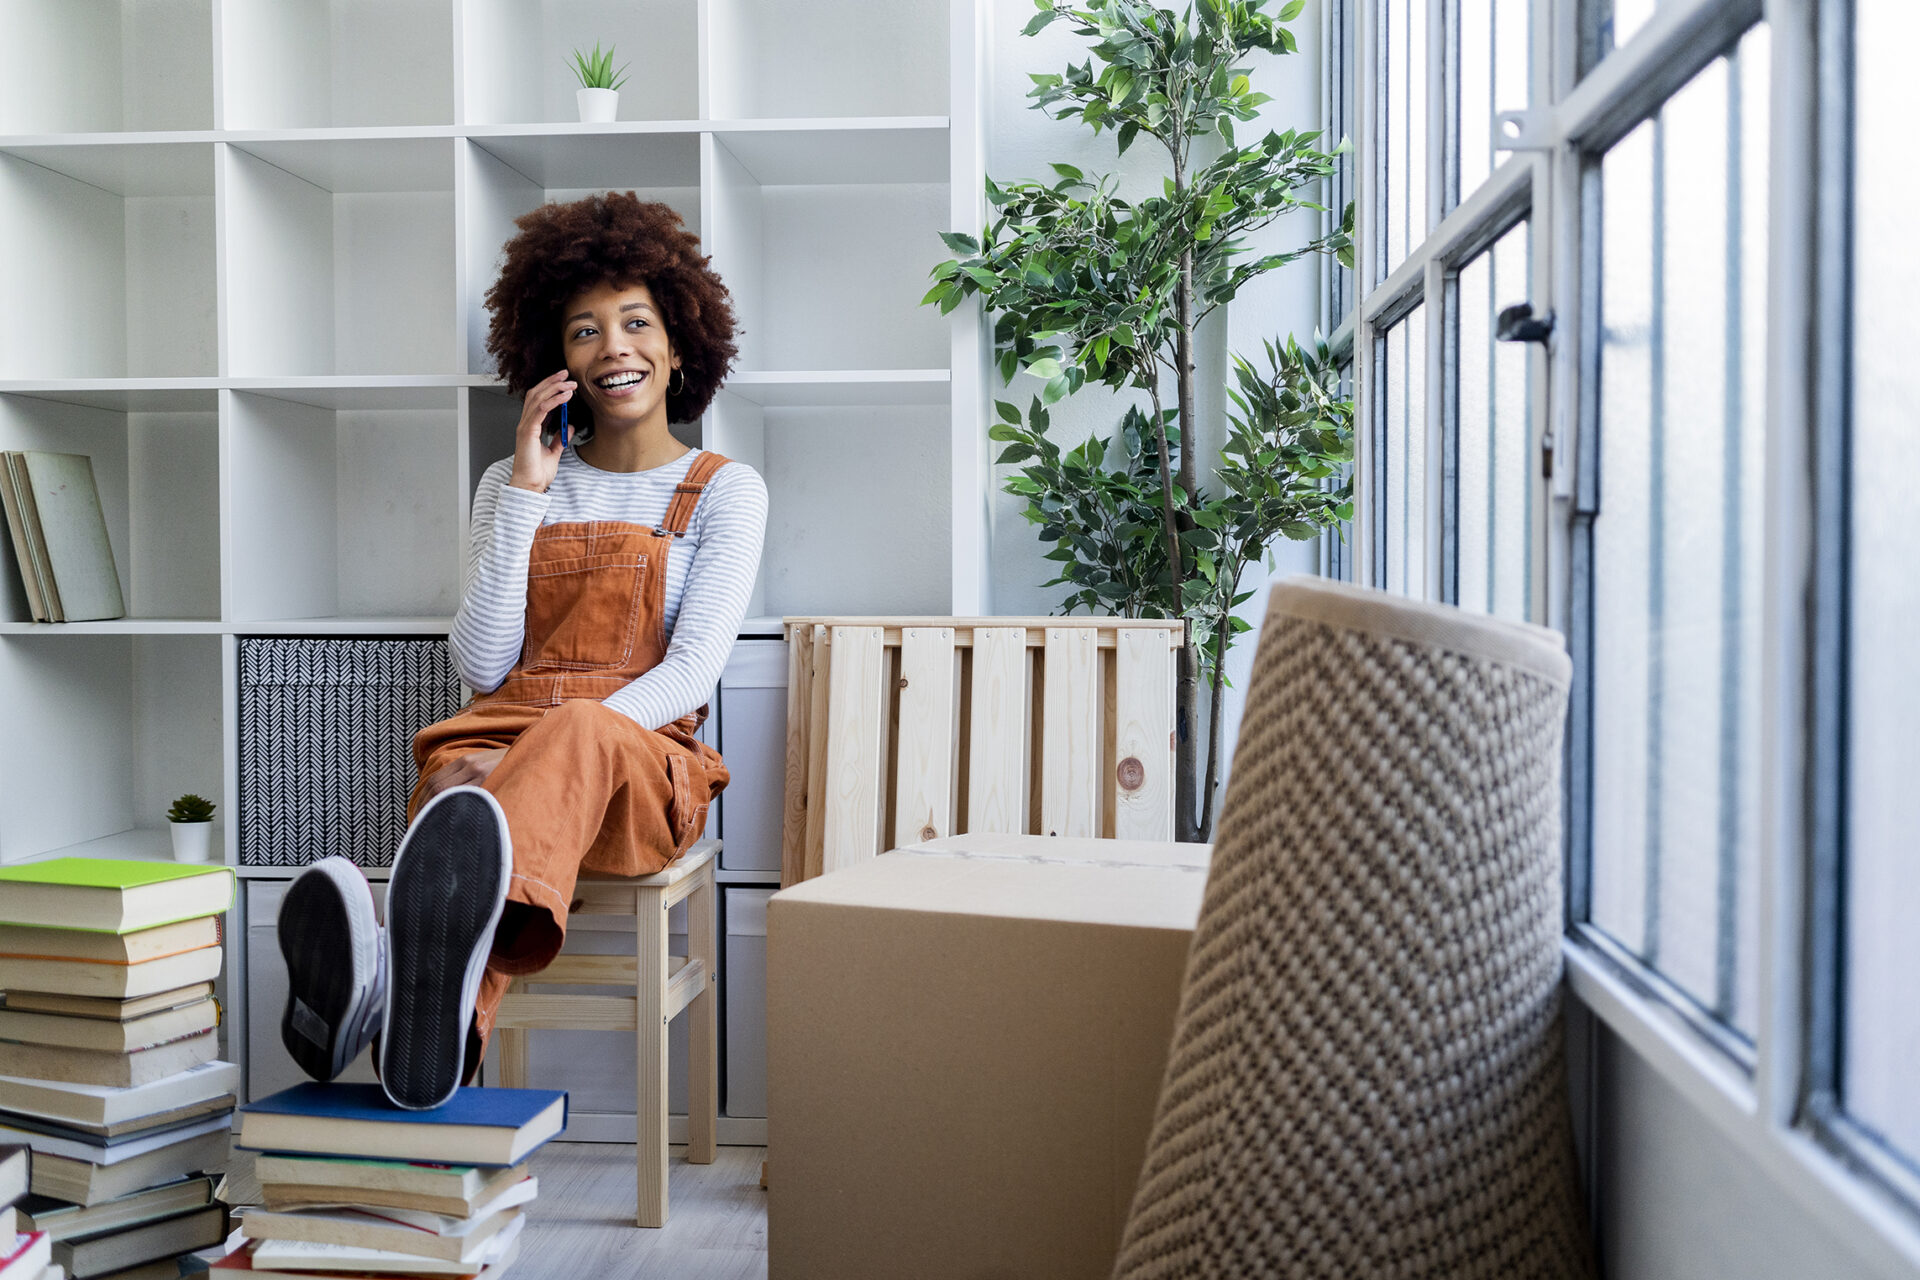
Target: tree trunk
x,y
1216,732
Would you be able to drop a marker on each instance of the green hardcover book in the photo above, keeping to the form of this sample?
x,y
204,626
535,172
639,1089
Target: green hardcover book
x,y
110,895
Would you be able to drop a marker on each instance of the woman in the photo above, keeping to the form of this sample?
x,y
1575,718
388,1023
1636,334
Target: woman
x,y
606,579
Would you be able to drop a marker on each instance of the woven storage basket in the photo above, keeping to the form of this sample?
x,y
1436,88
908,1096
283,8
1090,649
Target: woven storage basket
x,y
326,744
1367,1075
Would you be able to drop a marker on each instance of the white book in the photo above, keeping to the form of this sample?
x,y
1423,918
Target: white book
x,y
73,533
307,1255
25,541
441,1224
105,1104
102,1154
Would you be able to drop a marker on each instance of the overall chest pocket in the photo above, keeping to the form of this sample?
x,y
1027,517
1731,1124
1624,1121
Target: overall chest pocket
x,y
583,611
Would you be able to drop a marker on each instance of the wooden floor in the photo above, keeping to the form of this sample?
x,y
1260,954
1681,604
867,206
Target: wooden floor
x,y
581,1227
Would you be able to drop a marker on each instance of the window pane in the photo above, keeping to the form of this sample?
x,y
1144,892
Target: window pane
x,y
1341,71
1882,1018
1404,114
1494,61
1336,544
1605,25
1676,543
1403,496
1495,474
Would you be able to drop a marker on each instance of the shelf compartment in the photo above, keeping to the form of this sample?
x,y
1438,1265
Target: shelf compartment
x,y
773,58
106,66
859,500
519,58
342,518
811,295
303,64
108,261
844,387
158,478
340,257
509,174
122,726
777,153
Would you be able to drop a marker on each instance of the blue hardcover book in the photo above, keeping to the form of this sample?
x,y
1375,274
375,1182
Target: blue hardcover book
x,y
488,1127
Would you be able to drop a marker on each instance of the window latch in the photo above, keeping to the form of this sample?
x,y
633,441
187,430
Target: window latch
x,y
1519,323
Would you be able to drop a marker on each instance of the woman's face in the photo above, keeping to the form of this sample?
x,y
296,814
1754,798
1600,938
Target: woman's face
x,y
617,350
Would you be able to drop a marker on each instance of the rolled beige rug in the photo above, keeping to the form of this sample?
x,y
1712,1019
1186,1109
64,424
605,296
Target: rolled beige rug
x,y
1367,1076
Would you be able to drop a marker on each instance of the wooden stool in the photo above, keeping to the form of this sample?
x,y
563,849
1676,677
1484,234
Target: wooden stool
x,y
662,987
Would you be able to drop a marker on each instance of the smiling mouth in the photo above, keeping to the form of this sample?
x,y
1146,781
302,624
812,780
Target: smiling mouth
x,y
624,380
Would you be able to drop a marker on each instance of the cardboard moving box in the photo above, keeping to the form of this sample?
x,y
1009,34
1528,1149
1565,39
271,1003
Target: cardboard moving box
x,y
965,1040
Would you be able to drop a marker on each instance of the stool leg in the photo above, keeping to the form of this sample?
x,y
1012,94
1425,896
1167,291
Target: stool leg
x,y
703,1027
513,1048
650,1008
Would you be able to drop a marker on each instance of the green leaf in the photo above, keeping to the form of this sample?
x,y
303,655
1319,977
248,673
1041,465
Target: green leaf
x,y
960,243
1045,367
1007,412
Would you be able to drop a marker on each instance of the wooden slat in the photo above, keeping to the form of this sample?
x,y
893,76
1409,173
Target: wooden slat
x,y
1142,780
817,741
924,781
587,971
793,824
1070,737
576,1013
852,795
1035,628
997,757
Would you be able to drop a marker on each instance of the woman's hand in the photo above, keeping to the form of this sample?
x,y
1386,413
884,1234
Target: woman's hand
x,y
534,462
469,770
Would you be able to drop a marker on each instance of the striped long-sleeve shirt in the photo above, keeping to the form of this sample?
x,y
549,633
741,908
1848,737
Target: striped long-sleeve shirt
x,y
710,572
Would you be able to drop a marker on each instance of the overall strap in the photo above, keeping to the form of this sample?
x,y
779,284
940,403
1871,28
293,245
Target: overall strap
x,y
686,495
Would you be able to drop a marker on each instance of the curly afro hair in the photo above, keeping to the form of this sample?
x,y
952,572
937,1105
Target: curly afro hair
x,y
616,238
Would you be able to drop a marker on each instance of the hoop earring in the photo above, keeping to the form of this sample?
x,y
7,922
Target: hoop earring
x,y
683,382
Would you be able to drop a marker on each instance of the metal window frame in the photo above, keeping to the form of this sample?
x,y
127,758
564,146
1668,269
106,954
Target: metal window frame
x,y
1774,1099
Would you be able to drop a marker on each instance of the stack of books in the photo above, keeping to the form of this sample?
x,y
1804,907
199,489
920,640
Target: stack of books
x,y
59,536
353,1184
109,1064
24,1254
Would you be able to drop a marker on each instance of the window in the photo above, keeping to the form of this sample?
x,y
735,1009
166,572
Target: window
x,y
1490,565
1698,465
1401,449
1877,819
1672,639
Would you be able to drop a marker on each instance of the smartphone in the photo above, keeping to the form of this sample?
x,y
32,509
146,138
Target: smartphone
x,y
556,427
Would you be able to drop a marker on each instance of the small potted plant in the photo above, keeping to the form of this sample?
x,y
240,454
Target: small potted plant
x,y
192,820
599,92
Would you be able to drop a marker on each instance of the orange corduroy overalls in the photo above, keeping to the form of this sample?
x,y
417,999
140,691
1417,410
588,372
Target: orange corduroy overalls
x,y
583,786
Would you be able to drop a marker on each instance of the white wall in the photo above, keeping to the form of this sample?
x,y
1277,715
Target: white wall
x,y
1023,142
1677,1201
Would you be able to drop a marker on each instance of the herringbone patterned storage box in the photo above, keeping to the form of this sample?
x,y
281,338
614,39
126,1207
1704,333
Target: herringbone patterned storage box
x,y
326,744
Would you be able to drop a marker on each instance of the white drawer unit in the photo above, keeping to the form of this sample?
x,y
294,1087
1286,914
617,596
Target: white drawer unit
x,y
269,1068
753,741
744,1003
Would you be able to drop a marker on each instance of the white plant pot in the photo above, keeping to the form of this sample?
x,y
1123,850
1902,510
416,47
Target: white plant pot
x,y
192,841
597,106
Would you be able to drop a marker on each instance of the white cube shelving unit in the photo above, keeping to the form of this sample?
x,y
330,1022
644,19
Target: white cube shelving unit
x,y
244,246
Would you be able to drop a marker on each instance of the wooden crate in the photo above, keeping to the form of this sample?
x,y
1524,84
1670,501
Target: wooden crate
x,y
902,730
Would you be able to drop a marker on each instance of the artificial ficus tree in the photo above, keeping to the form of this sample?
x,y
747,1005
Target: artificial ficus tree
x,y
1092,288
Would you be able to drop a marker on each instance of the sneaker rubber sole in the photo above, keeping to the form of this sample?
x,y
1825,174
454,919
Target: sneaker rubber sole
x,y
448,887
329,938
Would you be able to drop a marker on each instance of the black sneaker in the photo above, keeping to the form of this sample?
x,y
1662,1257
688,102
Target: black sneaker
x,y
448,887
336,967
